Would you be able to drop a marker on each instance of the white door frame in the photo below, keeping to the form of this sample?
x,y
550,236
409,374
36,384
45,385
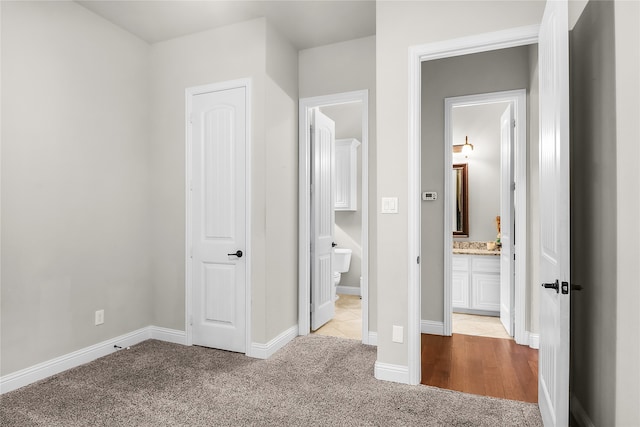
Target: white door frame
x,y
304,247
519,99
189,94
417,54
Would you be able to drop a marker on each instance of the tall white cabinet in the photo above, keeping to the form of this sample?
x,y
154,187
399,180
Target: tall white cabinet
x,y
346,168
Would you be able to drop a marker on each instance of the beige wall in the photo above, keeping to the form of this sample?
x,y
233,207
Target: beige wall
x,y
176,65
281,167
627,89
500,70
75,181
270,62
481,123
345,67
400,25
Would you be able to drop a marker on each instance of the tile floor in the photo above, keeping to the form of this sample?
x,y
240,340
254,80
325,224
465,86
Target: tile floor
x,y
347,323
481,326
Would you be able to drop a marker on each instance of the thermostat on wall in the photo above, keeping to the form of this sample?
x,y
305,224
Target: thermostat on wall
x,y
429,195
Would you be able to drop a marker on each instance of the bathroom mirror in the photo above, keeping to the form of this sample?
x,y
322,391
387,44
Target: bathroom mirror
x,y
460,208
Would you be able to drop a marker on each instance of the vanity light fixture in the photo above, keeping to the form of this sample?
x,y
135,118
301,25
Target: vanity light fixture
x,y
465,148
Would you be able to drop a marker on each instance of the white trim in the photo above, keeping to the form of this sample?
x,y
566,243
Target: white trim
x,y
167,335
389,372
189,93
432,327
348,290
265,351
373,338
579,414
304,233
532,340
417,54
518,98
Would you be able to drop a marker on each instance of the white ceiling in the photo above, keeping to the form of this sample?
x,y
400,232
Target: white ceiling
x,y
306,23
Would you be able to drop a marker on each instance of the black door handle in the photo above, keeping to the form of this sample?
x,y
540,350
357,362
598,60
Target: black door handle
x,y
334,244
555,286
237,253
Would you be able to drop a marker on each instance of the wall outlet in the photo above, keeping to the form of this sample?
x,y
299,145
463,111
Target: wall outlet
x,y
398,332
99,317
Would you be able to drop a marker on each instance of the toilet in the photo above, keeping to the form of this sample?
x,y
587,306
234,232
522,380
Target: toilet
x,y
341,261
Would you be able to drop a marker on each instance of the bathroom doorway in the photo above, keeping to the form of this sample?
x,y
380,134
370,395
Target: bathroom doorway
x,y
349,272
485,148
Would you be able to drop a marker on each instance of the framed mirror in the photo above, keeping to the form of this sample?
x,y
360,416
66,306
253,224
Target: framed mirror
x,y
460,208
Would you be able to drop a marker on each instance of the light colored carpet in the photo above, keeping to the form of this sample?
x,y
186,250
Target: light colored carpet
x,y
314,381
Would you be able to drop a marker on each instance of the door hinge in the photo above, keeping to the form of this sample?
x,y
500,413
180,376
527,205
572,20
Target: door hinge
x,y
418,260
513,122
191,252
191,320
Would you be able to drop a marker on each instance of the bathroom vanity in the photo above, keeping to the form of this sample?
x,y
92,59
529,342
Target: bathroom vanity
x,y
476,281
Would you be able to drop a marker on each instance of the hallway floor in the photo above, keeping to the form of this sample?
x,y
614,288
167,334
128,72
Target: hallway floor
x,y
347,322
480,365
481,326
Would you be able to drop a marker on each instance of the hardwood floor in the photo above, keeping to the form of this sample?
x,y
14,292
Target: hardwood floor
x,y
480,365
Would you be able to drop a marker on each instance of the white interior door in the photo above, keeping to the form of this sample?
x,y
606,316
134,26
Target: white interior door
x,y
507,264
322,218
218,219
553,369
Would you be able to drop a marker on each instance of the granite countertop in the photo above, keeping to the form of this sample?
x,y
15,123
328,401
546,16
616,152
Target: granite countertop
x,y
474,248
476,252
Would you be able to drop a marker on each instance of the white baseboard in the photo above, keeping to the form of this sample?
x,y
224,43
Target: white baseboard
x,y
264,351
579,413
431,327
51,367
348,290
533,340
373,338
62,363
393,373
168,335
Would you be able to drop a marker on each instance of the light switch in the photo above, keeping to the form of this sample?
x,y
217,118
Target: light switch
x,y
389,205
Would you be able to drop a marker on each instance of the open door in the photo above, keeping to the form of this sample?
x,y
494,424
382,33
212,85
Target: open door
x,y
322,218
553,369
507,263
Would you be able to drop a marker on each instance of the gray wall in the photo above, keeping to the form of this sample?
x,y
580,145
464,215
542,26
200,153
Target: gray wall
x,y
593,207
481,123
627,46
345,67
494,71
75,181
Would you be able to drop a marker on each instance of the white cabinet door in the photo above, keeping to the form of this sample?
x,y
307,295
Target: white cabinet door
x,y
346,174
486,291
460,289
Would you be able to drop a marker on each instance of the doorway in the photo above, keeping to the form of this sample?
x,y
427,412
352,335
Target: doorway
x,y
352,219
485,263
